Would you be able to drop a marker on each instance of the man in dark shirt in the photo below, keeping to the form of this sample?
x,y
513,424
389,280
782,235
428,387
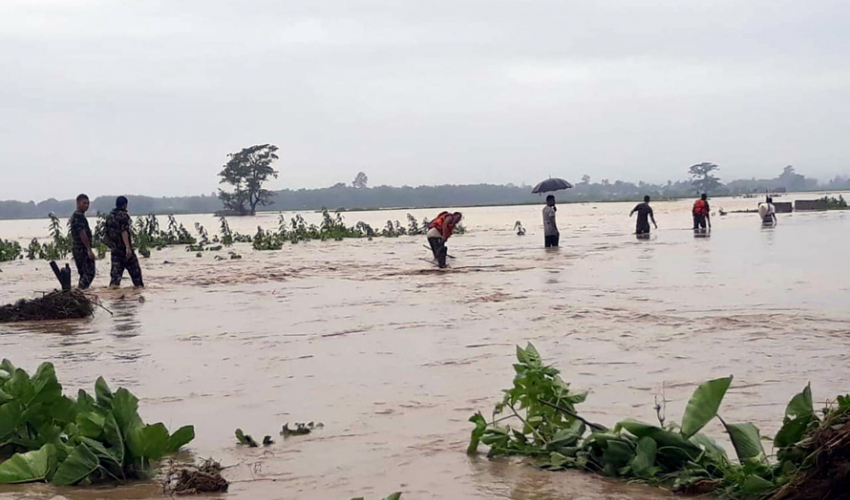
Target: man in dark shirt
x,y
119,226
644,212
82,251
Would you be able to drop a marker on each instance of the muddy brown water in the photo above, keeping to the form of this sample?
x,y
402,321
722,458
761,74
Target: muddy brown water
x,y
394,356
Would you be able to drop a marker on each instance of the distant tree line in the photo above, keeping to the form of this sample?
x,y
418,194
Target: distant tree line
x,y
357,196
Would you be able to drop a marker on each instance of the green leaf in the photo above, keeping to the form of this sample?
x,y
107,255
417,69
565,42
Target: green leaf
x,y
125,409
703,405
477,432
113,435
81,462
103,393
617,454
644,460
7,367
45,385
84,401
5,398
29,467
713,451
747,442
394,496
671,444
90,424
180,437
792,431
109,456
757,485
10,419
63,410
148,443
801,404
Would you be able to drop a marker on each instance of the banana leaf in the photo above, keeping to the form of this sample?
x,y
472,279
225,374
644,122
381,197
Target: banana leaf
x,y
747,441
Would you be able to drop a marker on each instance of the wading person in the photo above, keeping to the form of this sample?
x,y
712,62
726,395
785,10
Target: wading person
x,y
439,231
82,250
701,213
118,225
551,236
644,212
768,212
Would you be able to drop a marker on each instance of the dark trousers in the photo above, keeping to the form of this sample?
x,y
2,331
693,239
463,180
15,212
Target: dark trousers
x,y
85,267
552,240
642,229
438,247
120,262
699,221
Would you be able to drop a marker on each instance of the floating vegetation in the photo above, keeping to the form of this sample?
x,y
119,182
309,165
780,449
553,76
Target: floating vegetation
x,y
520,231
189,479
65,441
245,439
394,496
69,304
299,429
9,250
813,451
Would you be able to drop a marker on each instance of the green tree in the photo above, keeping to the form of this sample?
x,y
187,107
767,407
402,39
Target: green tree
x,y
247,171
360,181
703,181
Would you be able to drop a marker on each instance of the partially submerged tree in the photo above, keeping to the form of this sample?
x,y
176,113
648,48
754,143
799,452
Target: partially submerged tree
x,y
703,181
360,181
247,171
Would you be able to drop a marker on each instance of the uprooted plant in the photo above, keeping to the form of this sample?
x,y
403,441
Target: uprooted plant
x,y
66,441
550,430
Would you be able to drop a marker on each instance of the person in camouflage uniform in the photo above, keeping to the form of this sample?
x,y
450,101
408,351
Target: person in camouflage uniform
x,y
81,235
118,227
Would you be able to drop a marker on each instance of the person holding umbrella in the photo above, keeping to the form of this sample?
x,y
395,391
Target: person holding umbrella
x,y
551,235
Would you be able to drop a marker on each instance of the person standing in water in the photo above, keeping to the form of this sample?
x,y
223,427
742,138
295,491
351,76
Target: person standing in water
x,y
118,225
551,236
645,213
82,250
439,231
769,211
701,213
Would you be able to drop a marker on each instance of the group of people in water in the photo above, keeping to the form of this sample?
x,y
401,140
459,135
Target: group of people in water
x,y
118,236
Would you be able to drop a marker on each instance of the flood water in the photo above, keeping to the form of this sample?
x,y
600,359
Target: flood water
x,y
393,356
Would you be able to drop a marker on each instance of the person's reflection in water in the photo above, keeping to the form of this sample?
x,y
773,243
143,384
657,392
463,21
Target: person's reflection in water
x,y
124,312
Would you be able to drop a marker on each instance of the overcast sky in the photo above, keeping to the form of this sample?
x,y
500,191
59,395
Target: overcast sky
x,y
148,97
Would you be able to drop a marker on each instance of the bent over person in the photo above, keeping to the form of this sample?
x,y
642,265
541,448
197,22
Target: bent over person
x,y
82,238
439,231
118,225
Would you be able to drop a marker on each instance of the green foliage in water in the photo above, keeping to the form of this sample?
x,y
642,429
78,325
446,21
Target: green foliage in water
x,y
549,428
57,248
66,441
9,250
394,496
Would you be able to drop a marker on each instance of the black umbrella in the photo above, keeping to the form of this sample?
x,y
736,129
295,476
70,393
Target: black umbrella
x,y
551,184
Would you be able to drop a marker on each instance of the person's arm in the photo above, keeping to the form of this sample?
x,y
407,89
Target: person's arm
x,y
632,212
86,243
652,217
446,232
773,214
125,237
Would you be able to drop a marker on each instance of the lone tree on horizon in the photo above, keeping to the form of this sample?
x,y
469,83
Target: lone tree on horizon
x,y
702,178
360,181
247,171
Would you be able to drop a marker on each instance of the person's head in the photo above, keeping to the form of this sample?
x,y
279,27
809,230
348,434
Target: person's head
x,y
704,196
550,200
646,199
457,216
82,203
121,202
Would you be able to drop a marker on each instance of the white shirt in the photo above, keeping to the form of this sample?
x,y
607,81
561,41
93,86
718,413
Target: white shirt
x,y
550,228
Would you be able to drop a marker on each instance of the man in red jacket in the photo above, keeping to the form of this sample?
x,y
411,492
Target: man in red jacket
x,y
439,231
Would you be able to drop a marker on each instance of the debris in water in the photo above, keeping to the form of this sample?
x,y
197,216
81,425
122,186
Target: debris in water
x,y
188,479
267,441
56,305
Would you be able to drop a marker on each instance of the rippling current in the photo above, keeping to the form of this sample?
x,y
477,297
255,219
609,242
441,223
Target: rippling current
x,y
393,355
